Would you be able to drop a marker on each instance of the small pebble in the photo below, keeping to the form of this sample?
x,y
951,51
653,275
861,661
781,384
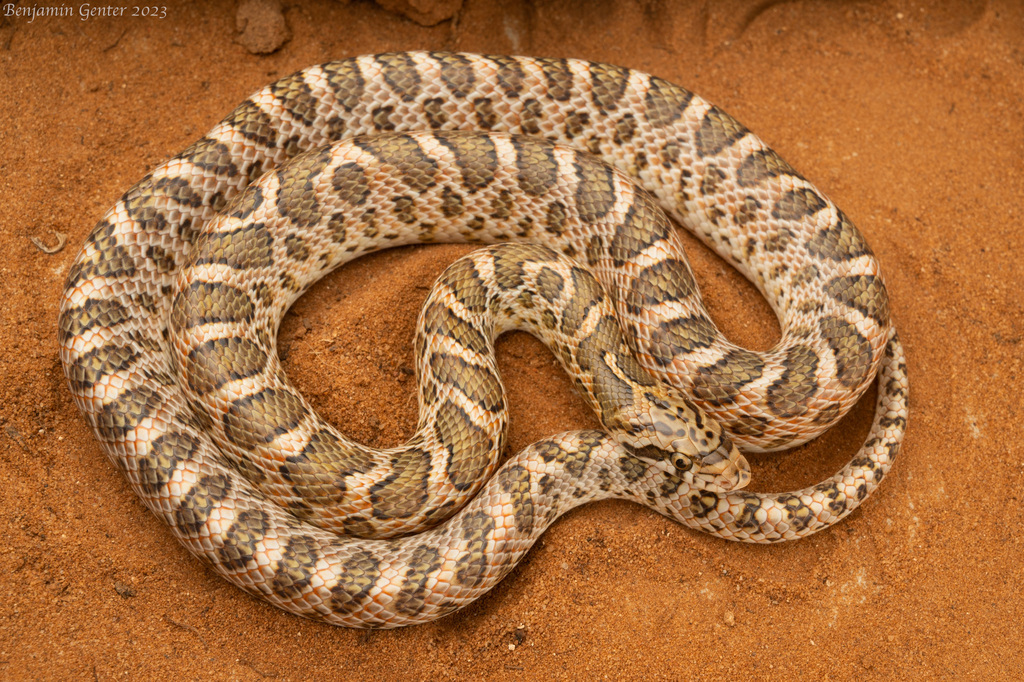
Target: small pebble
x,y
125,591
261,26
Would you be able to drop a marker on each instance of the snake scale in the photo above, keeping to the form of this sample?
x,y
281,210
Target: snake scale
x,y
169,317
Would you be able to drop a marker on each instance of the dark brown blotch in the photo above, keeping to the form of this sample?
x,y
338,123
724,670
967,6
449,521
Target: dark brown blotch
x,y
839,241
404,209
712,180
510,75
399,71
644,225
125,413
573,460
595,188
245,203
632,468
515,480
350,183
586,294
718,130
667,280
665,102
405,157
625,129
260,418
559,78
465,282
469,447
550,284
411,599
798,514
296,97
555,218
356,577
198,504
502,205
108,258
852,350
610,84
576,123
762,165
242,539
246,248
218,361
296,193
103,313
380,117
452,203
537,170
797,204
457,73
253,123
722,382
156,468
439,319
483,108
403,492
346,81
471,567
205,302
531,116
612,393
102,361
210,155
296,248
437,117
475,156
478,383
865,293
296,568
789,394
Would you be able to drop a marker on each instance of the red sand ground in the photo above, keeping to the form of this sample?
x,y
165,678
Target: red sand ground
x,y
908,114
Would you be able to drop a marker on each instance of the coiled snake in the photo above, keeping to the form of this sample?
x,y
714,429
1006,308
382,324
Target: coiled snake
x,y
169,317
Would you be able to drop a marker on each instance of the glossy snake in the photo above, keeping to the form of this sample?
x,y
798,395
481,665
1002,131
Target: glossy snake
x,y
169,318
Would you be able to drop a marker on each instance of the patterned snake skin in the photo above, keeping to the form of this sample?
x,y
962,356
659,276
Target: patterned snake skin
x,y
169,317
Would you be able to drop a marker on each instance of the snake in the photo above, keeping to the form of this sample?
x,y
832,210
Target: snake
x,y
572,171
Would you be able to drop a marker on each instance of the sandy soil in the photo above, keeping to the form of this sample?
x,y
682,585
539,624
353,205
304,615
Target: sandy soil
x,y
907,113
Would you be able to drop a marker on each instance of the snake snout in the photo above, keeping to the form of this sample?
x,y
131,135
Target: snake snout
x,y
723,469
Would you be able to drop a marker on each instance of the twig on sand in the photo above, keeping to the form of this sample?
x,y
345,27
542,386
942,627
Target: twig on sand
x,y
62,239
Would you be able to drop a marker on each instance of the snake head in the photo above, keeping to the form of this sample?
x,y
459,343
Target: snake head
x,y
673,434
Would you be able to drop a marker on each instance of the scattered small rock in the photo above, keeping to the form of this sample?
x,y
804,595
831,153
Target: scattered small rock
x,y
423,12
261,26
126,591
730,619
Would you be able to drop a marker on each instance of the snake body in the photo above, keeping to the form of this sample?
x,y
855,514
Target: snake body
x,y
169,316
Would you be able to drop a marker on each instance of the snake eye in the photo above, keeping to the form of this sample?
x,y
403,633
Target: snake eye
x,y
681,462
